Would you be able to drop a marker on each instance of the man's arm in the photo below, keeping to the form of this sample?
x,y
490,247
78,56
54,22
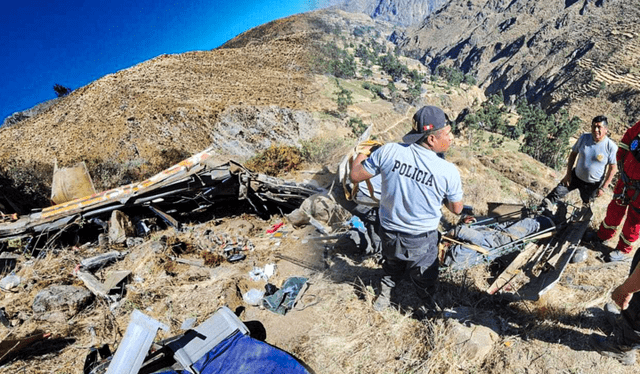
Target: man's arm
x,y
623,293
358,173
611,171
572,160
455,207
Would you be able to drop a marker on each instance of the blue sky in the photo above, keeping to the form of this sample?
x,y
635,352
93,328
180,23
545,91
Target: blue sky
x,y
74,42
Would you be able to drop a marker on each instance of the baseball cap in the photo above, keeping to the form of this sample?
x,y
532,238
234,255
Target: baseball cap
x,y
427,119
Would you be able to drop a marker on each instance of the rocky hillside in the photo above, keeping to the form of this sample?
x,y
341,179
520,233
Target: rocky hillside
x,y
400,12
580,54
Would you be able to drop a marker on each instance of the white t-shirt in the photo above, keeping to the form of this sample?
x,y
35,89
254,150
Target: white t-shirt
x,y
414,183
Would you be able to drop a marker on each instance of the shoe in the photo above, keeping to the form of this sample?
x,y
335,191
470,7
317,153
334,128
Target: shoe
x,y
548,213
429,308
591,238
384,298
617,256
580,255
546,204
607,346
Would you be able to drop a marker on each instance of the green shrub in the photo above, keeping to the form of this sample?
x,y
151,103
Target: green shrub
x,y
470,79
546,136
452,75
366,73
344,98
392,66
357,126
331,59
27,185
376,89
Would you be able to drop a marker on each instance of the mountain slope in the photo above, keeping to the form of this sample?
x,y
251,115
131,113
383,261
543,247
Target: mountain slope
x,y
400,12
583,54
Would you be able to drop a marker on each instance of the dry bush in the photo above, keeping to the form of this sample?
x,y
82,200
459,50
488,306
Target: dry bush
x,y
324,151
108,174
27,184
276,160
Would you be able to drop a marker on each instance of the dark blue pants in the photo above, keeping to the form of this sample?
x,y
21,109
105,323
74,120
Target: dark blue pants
x,y
416,255
587,190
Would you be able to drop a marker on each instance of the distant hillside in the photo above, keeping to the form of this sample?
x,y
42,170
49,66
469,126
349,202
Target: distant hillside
x,y
400,12
580,54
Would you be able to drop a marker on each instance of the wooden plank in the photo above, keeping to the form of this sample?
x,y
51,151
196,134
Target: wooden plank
x,y
554,266
199,263
499,209
114,278
513,269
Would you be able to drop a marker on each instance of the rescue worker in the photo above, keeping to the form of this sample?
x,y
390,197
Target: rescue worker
x,y
415,185
626,199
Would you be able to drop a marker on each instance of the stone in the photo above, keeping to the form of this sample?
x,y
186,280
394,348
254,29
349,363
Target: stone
x,y
53,317
120,227
298,218
57,297
132,242
474,342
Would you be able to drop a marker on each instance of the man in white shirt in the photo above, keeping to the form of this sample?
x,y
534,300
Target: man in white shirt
x,y
415,183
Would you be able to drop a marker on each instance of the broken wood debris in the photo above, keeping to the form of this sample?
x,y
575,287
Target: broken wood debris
x,y
10,347
543,264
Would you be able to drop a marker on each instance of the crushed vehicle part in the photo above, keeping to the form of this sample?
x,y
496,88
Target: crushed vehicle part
x,y
186,186
165,217
103,289
8,262
189,349
92,283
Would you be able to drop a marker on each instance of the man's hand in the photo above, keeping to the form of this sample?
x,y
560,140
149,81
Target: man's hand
x,y
566,180
600,192
467,219
621,297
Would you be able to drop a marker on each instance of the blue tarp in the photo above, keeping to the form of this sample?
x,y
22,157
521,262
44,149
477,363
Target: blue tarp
x,y
241,354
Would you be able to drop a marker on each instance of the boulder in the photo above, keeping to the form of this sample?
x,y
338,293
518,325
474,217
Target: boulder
x,y
69,298
471,341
